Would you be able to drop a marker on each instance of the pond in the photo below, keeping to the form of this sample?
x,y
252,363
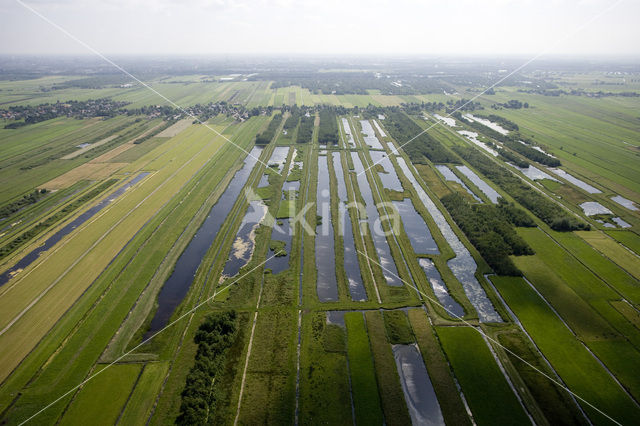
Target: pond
x,y
574,180
473,137
244,243
450,176
419,394
389,177
369,135
351,263
415,228
591,208
326,283
440,289
481,184
389,269
624,202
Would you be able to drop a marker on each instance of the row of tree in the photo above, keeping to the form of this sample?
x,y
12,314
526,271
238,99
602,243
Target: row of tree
x,y
305,131
328,128
491,230
403,129
267,136
214,337
548,211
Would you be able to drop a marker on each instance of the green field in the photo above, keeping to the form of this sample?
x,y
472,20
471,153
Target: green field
x,y
569,312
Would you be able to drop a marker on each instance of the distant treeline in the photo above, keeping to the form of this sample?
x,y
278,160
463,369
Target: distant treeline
x,y
403,129
490,229
214,337
545,209
267,136
511,104
580,92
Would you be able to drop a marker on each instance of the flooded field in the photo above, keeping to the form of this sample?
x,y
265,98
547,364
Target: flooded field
x,y
244,243
278,158
281,231
574,180
439,288
473,137
416,229
490,124
463,265
347,129
450,176
379,128
417,387
624,202
446,120
389,177
326,285
591,208
534,173
30,257
351,263
264,181
481,184
389,269
369,135
178,284
621,223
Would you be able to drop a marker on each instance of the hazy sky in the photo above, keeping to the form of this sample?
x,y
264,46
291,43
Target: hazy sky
x,y
323,26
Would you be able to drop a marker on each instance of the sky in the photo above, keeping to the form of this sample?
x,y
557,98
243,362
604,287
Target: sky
x,y
370,27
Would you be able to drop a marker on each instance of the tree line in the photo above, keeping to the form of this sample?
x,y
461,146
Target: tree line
x,y
214,337
402,128
267,136
545,209
491,230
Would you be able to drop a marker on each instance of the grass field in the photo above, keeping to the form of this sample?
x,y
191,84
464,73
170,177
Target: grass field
x,y
489,396
571,360
90,299
366,399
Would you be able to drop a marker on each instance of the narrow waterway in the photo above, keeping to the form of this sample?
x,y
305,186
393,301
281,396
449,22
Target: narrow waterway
x,y
30,257
184,271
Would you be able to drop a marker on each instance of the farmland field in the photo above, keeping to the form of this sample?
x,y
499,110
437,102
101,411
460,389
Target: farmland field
x,y
319,245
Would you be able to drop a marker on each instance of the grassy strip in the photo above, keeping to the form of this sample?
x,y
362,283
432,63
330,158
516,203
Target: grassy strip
x,y
140,403
489,396
324,388
366,399
614,251
574,364
90,402
628,238
269,393
447,392
398,328
393,403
